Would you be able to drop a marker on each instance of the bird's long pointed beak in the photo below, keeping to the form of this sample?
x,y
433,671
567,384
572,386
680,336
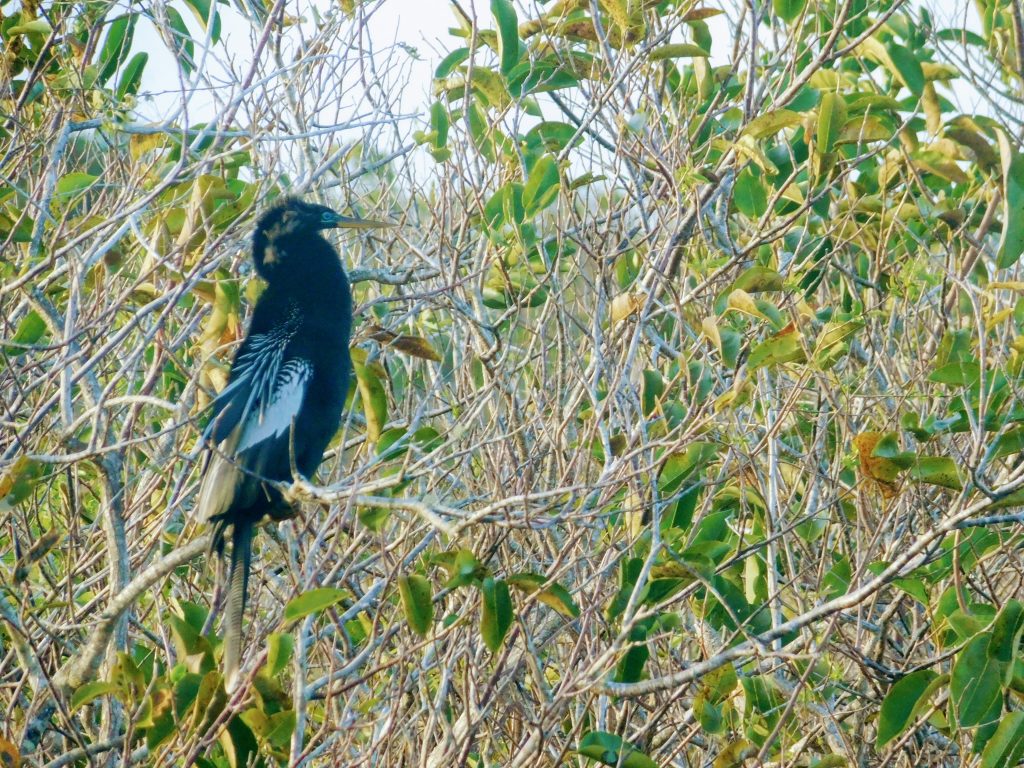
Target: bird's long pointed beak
x,y
349,222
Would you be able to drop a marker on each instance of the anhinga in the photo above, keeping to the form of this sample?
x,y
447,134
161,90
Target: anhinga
x,y
285,393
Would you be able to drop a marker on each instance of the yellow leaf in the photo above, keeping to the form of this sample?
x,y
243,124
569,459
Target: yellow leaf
x,y
936,71
370,383
626,304
710,328
835,332
932,108
870,128
633,513
742,301
793,193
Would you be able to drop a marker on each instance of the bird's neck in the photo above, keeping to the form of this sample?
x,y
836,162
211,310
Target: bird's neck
x,y
304,268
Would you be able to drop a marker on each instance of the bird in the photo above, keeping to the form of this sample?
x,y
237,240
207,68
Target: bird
x,y
285,392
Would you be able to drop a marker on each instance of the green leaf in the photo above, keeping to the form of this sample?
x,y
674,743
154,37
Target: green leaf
x,y
184,48
91,691
1006,634
439,124
508,34
787,10
785,347
541,188
975,686
831,760
131,76
967,624
888,447
193,649
900,704
30,330
36,26
549,136
497,612
831,119
907,67
210,700
1011,240
960,373
450,62
554,595
839,577
186,689
116,46
832,343
610,749
629,572
771,123
280,646
204,11
71,184
709,714
504,210
758,279
417,602
961,35
481,132
158,719
1006,747
630,668
677,51
531,76
239,743
313,601
652,387
937,470
679,466
749,194
280,728
462,567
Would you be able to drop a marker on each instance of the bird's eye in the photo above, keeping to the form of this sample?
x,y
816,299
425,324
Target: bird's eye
x,y
327,217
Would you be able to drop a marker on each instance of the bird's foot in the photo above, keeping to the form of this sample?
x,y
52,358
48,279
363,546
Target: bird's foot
x,y
300,490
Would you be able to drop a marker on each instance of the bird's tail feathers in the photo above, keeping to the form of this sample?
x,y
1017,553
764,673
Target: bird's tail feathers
x,y
217,492
238,587
218,538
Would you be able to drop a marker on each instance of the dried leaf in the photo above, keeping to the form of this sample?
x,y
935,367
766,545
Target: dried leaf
x,y
416,346
884,472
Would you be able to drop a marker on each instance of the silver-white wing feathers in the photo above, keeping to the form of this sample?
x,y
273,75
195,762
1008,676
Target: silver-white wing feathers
x,y
278,409
261,402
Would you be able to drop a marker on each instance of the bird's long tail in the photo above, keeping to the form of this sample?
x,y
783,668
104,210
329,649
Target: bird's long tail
x,y
238,587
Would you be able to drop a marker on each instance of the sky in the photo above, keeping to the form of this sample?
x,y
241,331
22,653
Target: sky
x,y
420,25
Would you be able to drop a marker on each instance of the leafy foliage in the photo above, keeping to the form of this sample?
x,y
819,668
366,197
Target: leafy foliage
x,y
687,400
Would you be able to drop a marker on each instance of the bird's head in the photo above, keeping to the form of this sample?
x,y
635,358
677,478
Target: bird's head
x,y
290,219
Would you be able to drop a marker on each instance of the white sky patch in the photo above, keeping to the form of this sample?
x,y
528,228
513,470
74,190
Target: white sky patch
x,y
418,26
